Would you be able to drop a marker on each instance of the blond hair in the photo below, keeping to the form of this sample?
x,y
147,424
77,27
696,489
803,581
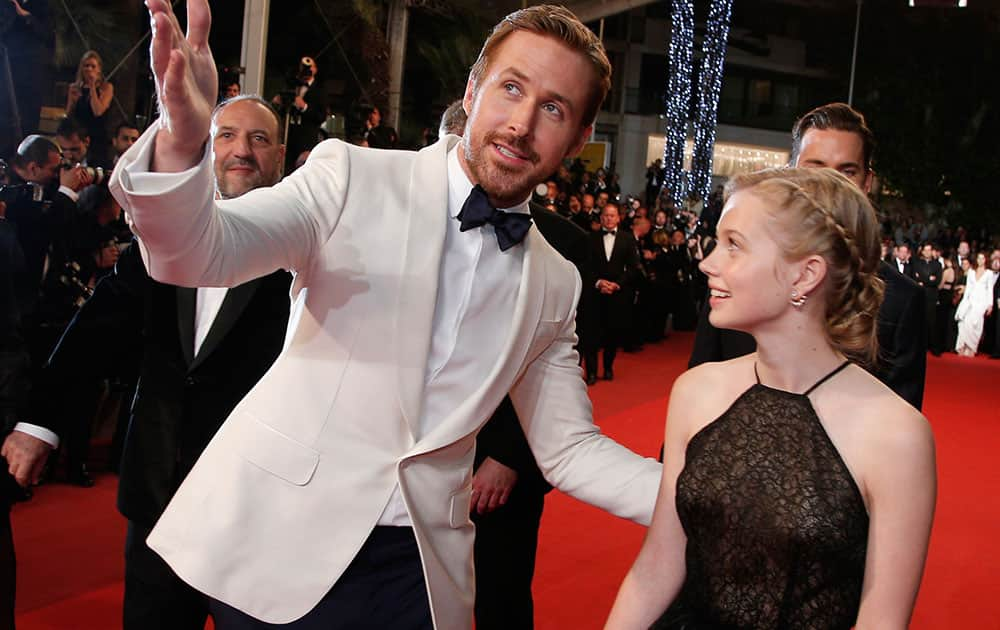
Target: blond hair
x,y
560,23
818,211
90,54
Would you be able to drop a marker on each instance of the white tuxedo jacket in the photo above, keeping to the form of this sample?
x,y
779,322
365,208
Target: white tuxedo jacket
x,y
292,485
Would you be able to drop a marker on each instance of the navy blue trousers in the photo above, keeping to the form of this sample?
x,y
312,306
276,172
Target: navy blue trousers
x,y
383,588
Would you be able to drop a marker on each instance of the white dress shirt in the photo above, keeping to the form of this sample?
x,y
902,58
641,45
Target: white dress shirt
x,y
477,288
206,308
609,244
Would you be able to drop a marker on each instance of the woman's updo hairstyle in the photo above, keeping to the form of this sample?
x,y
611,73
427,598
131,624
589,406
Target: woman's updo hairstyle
x,y
818,211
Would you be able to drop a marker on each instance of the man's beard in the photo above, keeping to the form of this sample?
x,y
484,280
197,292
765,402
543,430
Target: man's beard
x,y
255,181
504,185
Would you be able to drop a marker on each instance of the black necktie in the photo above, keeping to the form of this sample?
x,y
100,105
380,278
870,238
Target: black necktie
x,y
511,227
611,232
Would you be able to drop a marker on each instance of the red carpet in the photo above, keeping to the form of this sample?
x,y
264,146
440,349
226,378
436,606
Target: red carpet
x,y
69,540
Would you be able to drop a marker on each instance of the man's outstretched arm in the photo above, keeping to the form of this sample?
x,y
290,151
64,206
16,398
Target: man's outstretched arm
x,y
572,453
166,185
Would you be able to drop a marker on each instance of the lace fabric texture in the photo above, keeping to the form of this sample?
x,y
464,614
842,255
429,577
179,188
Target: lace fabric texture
x,y
776,526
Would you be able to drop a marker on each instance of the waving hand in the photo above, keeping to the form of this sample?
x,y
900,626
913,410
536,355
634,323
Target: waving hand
x,y
186,83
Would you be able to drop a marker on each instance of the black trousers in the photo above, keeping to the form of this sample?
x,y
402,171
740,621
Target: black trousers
x,y
382,588
155,598
506,543
609,335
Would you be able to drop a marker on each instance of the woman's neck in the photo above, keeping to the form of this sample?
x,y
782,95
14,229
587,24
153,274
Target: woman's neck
x,y
794,354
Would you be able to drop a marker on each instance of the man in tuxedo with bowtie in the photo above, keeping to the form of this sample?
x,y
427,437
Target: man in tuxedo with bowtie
x,y
901,260
614,271
201,352
340,487
508,488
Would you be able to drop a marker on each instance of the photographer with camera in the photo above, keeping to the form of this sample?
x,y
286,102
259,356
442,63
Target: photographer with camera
x,y
302,109
43,219
73,140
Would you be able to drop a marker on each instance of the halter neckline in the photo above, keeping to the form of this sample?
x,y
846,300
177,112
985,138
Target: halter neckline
x,y
815,385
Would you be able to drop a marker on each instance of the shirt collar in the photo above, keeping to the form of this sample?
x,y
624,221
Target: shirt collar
x,y
459,186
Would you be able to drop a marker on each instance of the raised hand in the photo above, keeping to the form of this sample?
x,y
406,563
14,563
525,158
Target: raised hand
x,y
186,83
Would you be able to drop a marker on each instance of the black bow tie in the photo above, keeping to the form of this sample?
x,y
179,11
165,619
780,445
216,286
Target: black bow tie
x,y
611,232
511,227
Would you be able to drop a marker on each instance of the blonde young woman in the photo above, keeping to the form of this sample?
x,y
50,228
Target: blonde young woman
x,y
88,100
798,491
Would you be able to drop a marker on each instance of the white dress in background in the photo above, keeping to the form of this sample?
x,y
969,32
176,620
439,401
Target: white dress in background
x,y
972,309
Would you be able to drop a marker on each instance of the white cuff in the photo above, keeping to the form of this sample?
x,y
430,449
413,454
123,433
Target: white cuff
x,y
135,178
69,192
41,433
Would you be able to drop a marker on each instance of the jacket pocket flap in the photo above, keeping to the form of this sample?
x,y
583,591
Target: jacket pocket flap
x,y
277,453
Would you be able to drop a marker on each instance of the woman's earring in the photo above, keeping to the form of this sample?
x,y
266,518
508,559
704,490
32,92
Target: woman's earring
x,y
797,300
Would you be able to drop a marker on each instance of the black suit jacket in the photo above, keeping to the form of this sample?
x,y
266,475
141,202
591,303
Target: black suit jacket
x,y
902,338
502,438
624,268
927,273
182,398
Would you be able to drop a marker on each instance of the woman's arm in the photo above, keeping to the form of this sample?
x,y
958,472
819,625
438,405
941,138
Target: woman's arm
x,y
100,99
902,484
658,572
72,96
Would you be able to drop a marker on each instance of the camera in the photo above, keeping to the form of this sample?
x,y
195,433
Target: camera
x,y
96,172
20,193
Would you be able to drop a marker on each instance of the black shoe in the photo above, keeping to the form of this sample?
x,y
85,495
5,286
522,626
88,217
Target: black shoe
x,y
81,478
591,379
609,374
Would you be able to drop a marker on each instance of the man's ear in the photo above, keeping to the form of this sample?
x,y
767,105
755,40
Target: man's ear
x,y
470,96
869,178
579,143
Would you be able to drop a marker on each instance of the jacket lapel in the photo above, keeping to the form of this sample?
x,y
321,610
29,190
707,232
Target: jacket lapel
x,y
185,321
424,243
527,314
233,305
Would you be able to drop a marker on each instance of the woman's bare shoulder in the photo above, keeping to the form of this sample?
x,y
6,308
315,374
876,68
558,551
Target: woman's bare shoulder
x,y
704,392
891,425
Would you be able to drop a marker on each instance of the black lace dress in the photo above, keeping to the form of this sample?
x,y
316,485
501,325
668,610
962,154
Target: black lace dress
x,y
776,526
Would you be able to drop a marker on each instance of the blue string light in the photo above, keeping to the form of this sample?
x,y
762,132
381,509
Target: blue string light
x,y
677,100
710,87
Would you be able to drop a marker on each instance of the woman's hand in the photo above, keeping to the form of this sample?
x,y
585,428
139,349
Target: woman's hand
x,y
20,10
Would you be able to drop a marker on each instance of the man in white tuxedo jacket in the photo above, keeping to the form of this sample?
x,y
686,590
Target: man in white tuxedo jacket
x,y
408,327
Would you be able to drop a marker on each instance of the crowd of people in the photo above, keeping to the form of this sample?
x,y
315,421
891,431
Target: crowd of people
x,y
789,257
959,279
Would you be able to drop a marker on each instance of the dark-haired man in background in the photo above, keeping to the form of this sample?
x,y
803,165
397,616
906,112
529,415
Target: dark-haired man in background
x,y
126,133
927,270
836,136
